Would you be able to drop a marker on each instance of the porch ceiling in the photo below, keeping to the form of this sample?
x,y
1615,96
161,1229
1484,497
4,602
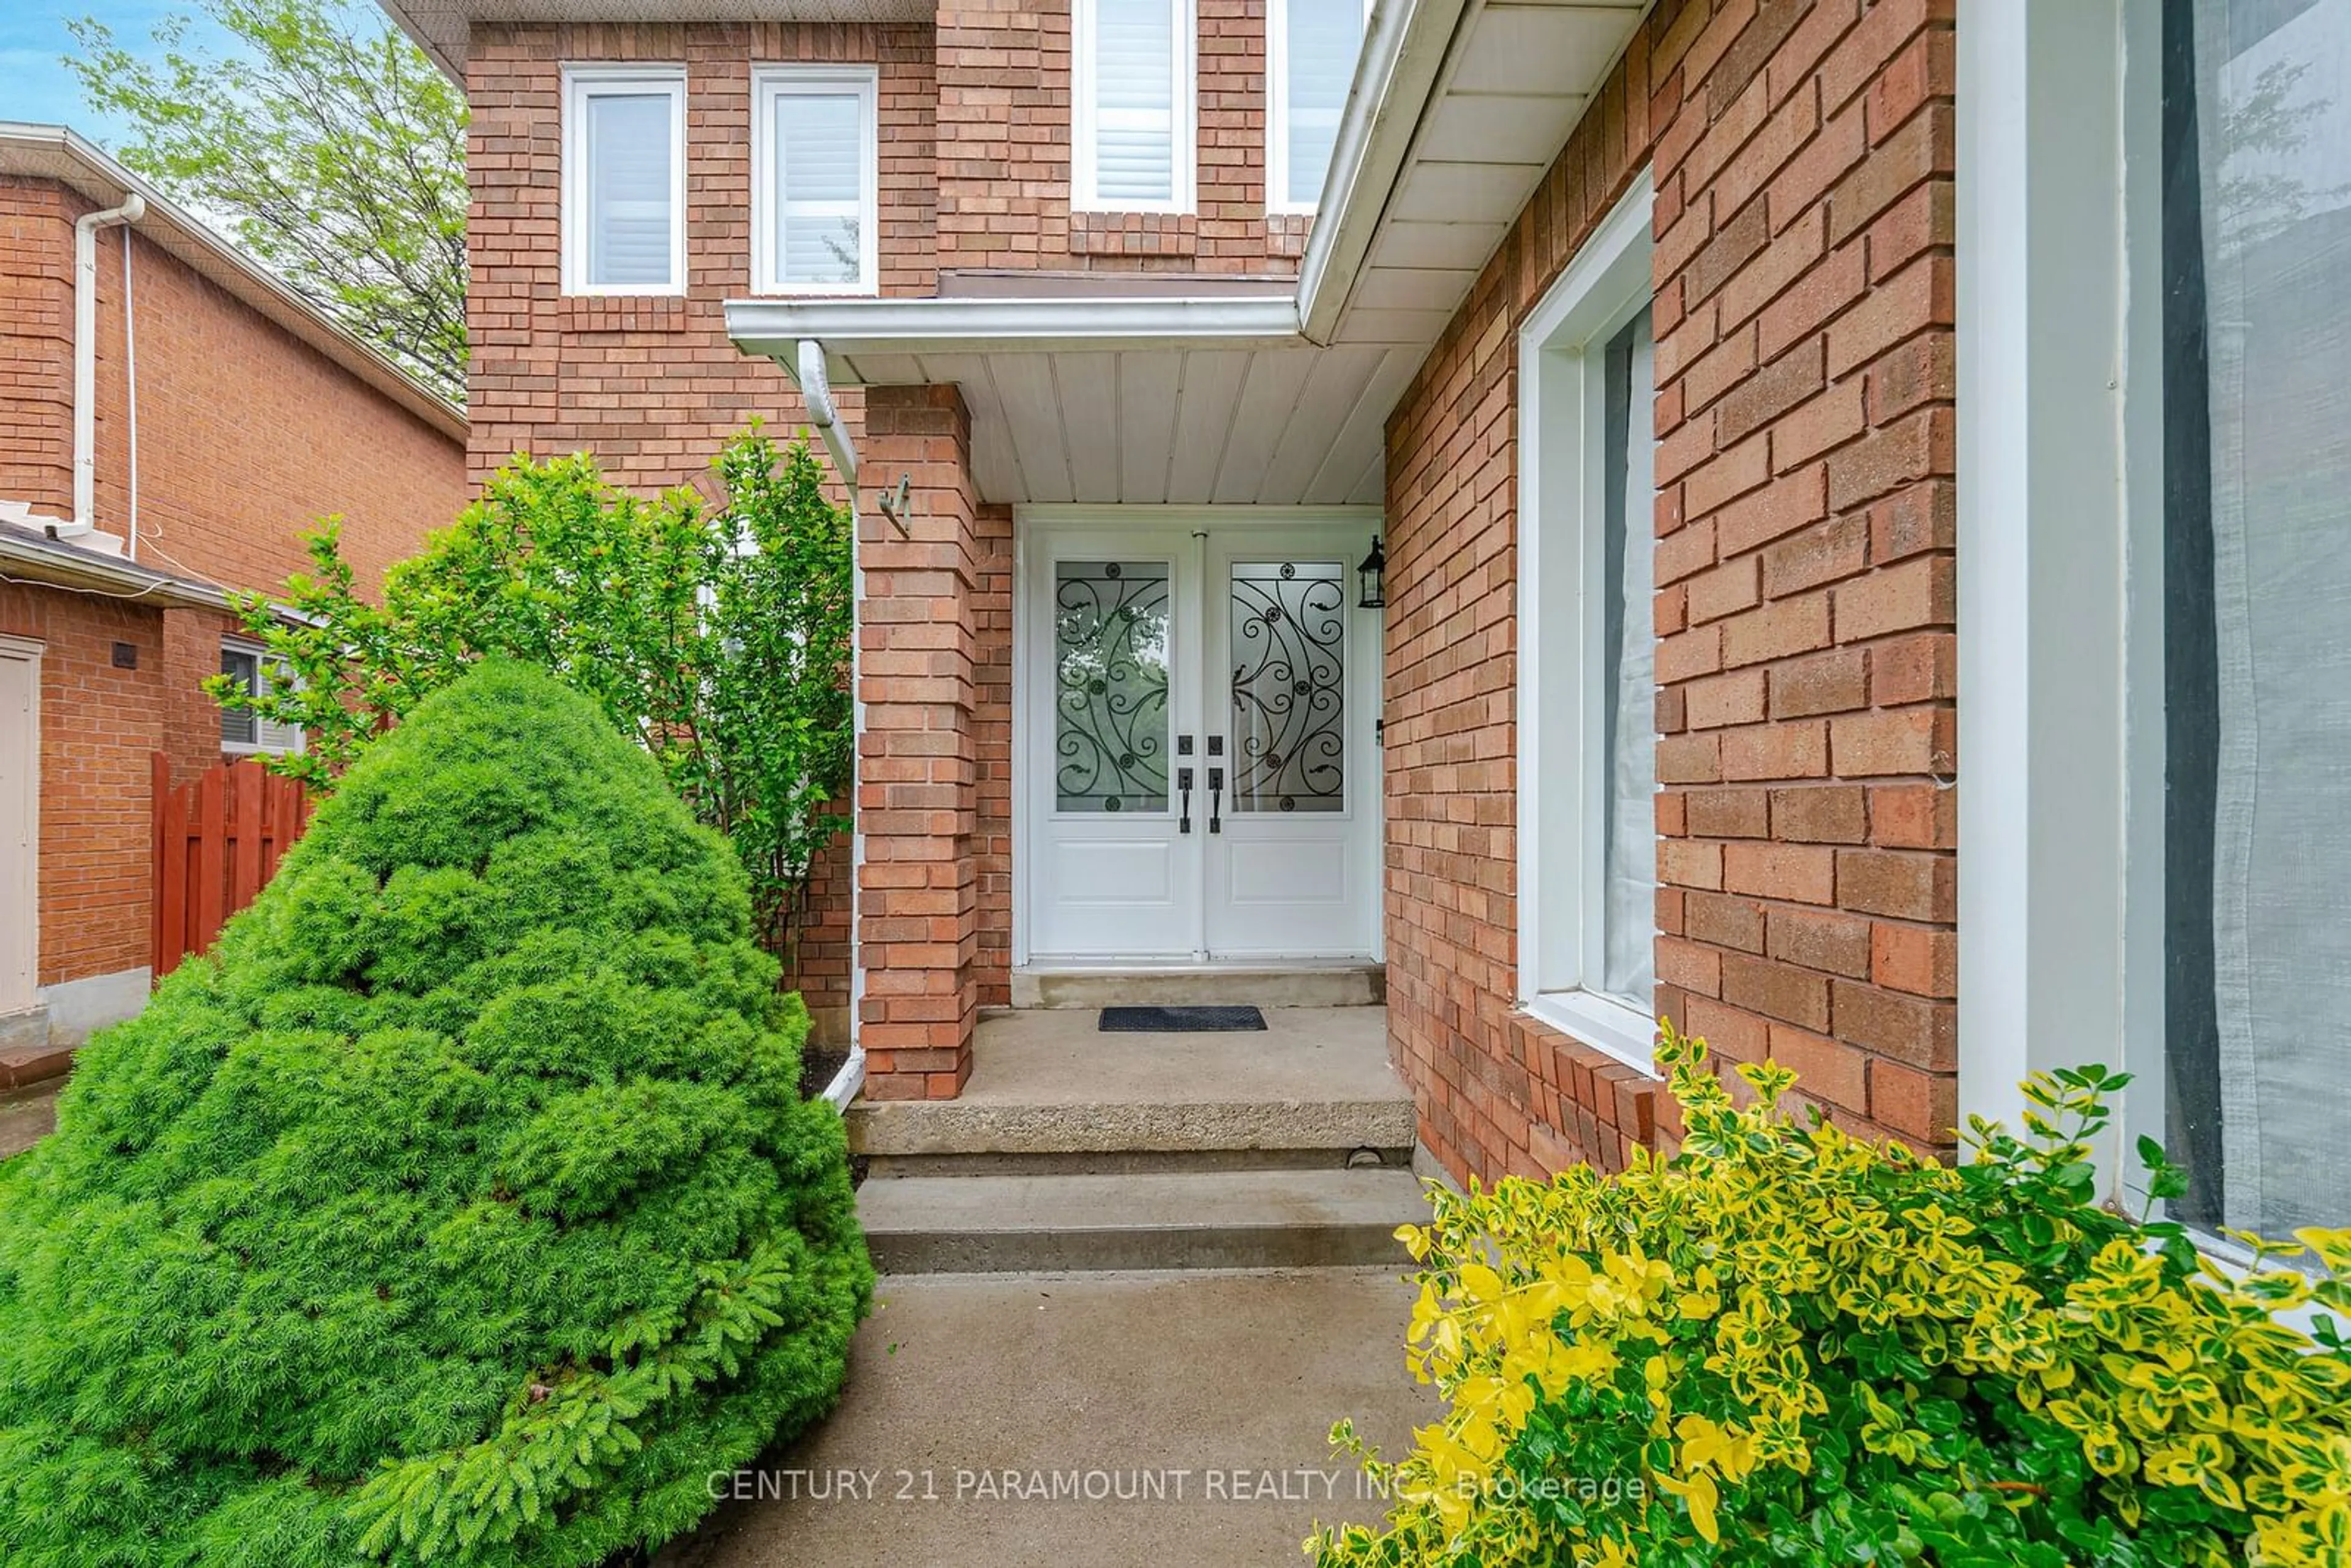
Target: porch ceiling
x,y
1187,426
1457,109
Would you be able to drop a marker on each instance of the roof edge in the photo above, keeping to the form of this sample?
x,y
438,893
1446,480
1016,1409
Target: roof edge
x,y
190,240
1403,61
55,565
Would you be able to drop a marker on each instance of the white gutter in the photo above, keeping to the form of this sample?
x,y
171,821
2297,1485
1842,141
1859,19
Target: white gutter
x,y
806,369
24,558
777,328
85,351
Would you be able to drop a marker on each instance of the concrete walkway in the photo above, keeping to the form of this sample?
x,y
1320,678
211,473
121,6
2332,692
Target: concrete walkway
x,y
1205,1398
28,1115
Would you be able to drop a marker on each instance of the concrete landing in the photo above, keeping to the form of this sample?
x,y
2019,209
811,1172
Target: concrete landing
x,y
1047,1087
1206,1219
1211,1394
1334,985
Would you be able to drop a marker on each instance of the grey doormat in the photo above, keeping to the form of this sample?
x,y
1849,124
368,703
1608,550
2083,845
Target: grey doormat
x,y
1179,1021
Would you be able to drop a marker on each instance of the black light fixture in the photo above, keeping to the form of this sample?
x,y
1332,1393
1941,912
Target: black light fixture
x,y
1373,574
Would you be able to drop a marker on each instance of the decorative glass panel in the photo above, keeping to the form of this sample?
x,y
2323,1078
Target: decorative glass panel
x,y
1289,650
628,189
821,176
1110,704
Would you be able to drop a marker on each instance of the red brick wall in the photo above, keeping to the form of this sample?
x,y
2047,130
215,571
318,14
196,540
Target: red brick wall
x,y
652,386
99,725
36,345
1004,152
1801,155
247,435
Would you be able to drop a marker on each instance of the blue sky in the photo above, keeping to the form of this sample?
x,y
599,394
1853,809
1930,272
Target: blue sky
x,y
34,86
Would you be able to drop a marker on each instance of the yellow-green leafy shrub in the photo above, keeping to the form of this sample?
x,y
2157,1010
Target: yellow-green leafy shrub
x,y
1785,1345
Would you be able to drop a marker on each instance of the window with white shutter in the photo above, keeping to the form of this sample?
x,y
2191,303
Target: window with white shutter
x,y
1133,120
242,730
1311,49
814,159
624,180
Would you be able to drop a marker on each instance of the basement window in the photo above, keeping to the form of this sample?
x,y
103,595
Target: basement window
x,y
625,179
242,731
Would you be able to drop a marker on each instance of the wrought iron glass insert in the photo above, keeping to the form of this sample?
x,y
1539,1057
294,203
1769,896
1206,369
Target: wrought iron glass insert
x,y
1288,651
1110,686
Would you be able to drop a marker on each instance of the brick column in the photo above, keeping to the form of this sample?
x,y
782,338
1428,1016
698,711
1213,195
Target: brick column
x,y
918,754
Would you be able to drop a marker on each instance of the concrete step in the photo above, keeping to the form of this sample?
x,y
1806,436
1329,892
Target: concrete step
x,y
1050,1095
1271,986
1211,1219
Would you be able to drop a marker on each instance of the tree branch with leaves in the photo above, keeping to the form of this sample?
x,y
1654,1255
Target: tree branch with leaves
x,y
328,144
718,637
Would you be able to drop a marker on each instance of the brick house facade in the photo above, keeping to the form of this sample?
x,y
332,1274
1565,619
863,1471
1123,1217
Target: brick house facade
x,y
1807,911
1772,497
254,418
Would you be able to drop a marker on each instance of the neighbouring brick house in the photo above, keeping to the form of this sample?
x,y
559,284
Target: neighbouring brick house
x,y
1731,384
219,417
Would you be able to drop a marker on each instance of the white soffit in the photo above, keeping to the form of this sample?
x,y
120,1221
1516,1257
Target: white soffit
x,y
1457,111
1194,427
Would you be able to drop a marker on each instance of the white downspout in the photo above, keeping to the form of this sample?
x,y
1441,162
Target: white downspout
x,y
807,372
85,348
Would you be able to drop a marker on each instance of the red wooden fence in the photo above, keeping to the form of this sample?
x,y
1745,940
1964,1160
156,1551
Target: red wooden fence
x,y
218,839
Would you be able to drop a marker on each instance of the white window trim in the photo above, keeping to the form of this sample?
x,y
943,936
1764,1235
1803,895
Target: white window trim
x,y
1562,835
581,83
1278,197
260,745
1082,80
768,84
2060,559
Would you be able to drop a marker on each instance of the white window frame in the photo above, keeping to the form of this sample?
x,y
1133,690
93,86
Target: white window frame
x,y
1278,197
770,83
2060,537
1561,712
270,738
1083,80
581,83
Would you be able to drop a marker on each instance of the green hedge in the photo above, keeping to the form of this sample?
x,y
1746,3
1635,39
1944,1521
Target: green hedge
x,y
460,1208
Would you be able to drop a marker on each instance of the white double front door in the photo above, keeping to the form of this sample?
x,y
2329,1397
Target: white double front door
x,y
1199,762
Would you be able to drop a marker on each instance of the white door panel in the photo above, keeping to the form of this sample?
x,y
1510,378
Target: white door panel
x,y
1235,657
20,794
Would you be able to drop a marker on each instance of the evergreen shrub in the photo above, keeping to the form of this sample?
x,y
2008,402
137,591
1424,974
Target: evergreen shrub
x,y
458,1207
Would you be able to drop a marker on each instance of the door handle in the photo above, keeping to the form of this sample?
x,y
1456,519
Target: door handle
x,y
1184,786
1215,800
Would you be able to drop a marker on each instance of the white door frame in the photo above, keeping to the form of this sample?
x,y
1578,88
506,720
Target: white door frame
x,y
20,942
1366,667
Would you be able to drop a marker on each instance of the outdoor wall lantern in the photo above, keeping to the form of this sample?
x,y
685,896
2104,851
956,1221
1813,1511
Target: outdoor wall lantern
x,y
1373,574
